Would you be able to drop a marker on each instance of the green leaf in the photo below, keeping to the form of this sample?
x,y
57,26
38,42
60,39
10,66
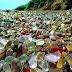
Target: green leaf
x,y
22,70
25,65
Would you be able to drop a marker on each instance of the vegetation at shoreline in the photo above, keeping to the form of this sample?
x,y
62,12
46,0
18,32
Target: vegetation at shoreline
x,y
46,5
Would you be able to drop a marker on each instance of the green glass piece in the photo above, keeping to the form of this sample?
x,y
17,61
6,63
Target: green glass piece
x,y
40,42
25,65
34,28
22,70
34,40
57,22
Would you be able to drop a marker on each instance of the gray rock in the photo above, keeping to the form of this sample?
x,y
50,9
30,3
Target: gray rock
x,y
1,64
15,67
15,42
1,34
9,52
67,21
21,39
23,58
9,59
14,54
19,49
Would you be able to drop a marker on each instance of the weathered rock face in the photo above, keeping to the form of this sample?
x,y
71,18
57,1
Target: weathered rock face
x,y
58,4
49,5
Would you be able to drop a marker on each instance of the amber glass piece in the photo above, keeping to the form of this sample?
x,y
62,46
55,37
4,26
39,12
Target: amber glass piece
x,y
59,39
65,25
68,47
65,35
20,29
54,46
17,18
54,49
18,25
40,49
39,35
2,53
23,25
59,63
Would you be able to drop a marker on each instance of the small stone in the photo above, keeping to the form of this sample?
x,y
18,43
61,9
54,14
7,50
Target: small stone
x,y
68,47
22,32
39,42
24,50
1,35
14,54
32,62
9,59
15,65
67,67
3,43
52,38
32,70
70,57
44,65
67,22
39,32
31,46
2,55
52,32
52,65
34,28
59,39
51,58
19,49
59,63
9,52
15,42
23,58
1,64
58,43
45,35
21,39
54,48
39,56
64,54
6,67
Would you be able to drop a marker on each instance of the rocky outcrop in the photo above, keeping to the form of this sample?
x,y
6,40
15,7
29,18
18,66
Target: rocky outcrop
x,y
48,5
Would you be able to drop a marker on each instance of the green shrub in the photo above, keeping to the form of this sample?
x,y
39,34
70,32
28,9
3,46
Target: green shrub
x,y
29,5
21,7
42,3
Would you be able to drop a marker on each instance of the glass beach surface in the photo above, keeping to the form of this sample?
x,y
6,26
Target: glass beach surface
x,y
36,41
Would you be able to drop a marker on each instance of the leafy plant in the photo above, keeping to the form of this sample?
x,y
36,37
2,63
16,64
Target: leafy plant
x,y
42,3
21,7
22,70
